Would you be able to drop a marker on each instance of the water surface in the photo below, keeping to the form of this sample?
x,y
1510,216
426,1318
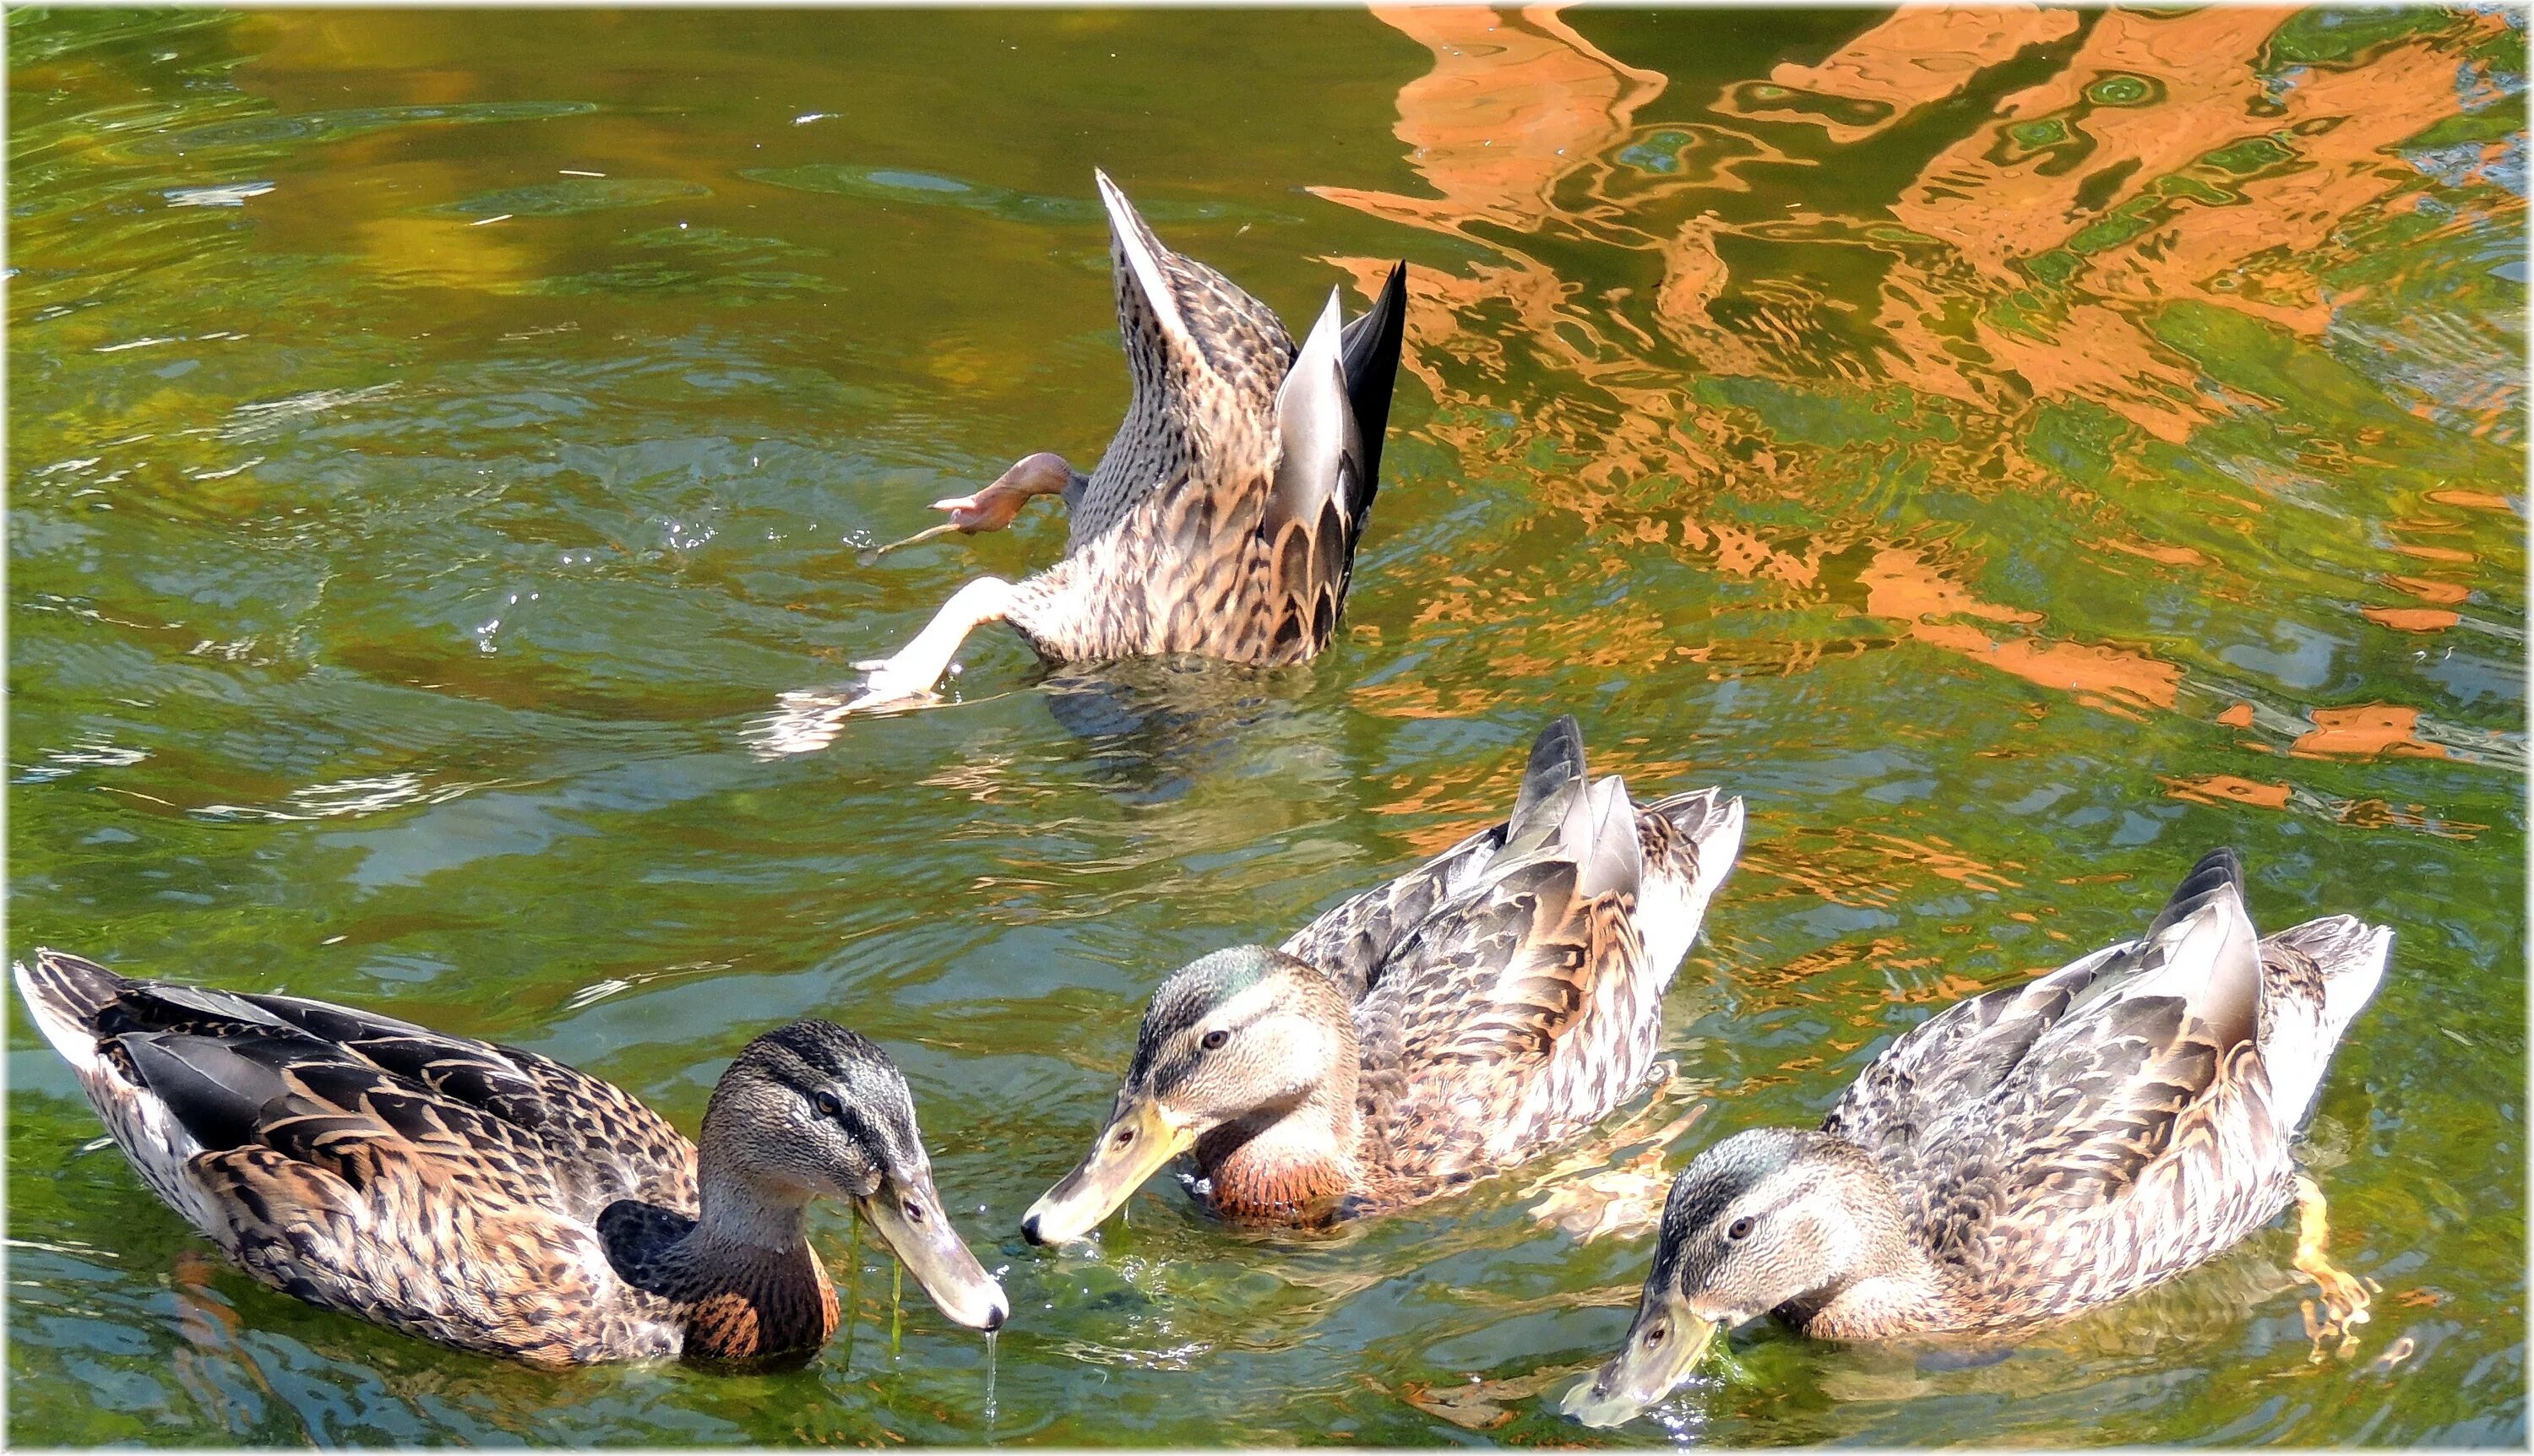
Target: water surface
x,y
2015,451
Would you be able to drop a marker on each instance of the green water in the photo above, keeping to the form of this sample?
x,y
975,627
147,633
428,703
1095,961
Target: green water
x,y
2015,452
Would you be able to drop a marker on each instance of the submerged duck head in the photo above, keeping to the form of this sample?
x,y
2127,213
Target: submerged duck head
x,y
812,1109
1764,1219
1236,1045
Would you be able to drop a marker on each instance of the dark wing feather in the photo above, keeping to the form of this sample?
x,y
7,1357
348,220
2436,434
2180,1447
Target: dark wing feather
x,y
467,1070
217,1088
240,1070
1369,351
464,1070
1315,502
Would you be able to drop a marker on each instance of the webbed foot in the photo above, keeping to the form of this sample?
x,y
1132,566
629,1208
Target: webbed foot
x,y
2330,1322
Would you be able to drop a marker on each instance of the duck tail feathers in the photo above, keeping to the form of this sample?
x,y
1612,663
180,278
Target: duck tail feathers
x,y
2218,871
2352,957
1554,774
65,993
1369,352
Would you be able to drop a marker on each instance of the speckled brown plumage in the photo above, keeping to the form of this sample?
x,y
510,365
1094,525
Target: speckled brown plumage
x,y
1501,997
1224,518
475,1195
2046,1148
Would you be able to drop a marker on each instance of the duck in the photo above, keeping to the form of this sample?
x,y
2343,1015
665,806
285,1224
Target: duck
x,y
2028,1154
496,1200
1224,518
1477,1010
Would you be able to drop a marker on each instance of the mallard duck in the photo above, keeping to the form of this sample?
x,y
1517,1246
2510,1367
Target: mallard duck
x,y
1223,520
496,1200
1479,1009
2028,1154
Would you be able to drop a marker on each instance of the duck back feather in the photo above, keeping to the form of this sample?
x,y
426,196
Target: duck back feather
x,y
2081,1135
319,1146
1508,992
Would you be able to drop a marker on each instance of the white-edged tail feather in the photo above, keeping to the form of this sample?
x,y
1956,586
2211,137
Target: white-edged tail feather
x,y
64,994
2300,1033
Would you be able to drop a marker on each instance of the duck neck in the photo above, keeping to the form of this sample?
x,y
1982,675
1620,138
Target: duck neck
x,y
751,1285
1293,1165
1888,1284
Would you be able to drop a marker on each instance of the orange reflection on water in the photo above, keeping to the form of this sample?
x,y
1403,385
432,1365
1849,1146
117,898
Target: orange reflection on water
x,y
2166,158
2363,732
2413,618
1925,53
2227,789
1508,110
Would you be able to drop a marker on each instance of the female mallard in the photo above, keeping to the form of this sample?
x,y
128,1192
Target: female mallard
x,y
2030,1153
492,1199
1223,520
1458,1020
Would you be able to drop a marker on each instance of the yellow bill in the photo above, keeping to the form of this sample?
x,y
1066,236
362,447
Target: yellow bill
x,y
1138,1143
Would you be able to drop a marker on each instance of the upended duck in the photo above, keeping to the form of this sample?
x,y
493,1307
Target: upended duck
x,y
2028,1154
1223,520
1489,1005
496,1200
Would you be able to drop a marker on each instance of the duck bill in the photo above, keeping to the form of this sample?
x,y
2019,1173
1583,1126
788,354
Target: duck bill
x,y
1138,1143
1663,1346
934,1253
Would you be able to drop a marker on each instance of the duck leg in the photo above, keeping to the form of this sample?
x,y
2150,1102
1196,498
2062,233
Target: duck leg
x,y
909,677
1045,473
807,719
999,503
2344,1295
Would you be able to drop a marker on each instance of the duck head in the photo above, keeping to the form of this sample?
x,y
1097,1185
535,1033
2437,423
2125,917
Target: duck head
x,y
1242,1044
810,1110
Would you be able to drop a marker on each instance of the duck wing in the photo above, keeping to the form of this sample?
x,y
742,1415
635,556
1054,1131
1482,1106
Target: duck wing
x,y
2133,1136
1517,1012
1198,347
1951,1059
1351,941
442,1186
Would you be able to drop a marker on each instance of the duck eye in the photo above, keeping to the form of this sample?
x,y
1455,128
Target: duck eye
x,y
913,1211
1215,1039
1125,1136
1740,1229
828,1105
1654,1335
